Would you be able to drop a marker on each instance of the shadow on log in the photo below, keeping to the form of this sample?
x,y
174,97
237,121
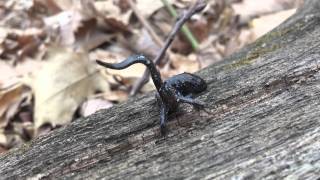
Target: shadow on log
x,y
264,122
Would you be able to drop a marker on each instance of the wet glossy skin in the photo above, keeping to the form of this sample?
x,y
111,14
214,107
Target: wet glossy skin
x,y
175,90
187,84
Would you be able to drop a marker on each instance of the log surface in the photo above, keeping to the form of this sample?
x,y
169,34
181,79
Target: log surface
x,y
264,122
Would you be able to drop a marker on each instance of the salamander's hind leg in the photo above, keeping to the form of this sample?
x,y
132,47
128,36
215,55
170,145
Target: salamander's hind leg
x,y
196,103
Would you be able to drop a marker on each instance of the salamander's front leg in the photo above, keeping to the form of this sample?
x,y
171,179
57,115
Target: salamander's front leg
x,y
196,103
163,118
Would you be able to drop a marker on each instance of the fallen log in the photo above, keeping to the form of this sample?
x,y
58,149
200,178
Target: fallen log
x,y
264,122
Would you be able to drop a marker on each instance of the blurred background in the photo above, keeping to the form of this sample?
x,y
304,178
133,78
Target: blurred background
x,y
48,48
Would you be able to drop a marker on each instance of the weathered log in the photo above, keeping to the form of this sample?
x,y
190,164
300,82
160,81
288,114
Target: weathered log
x,y
264,122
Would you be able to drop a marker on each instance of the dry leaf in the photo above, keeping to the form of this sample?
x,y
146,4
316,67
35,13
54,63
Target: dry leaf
x,y
13,140
91,106
147,7
20,5
9,140
183,63
63,83
3,139
135,70
107,55
83,26
118,95
143,43
3,150
110,10
8,75
51,6
19,43
27,67
95,39
266,23
9,102
62,4
25,130
253,8
66,22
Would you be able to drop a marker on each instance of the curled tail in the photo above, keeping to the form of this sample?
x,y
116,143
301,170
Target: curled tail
x,y
133,60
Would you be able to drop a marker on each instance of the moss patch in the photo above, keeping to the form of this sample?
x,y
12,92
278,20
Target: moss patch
x,y
262,48
251,56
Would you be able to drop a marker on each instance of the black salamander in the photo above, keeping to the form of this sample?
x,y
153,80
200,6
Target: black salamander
x,y
177,89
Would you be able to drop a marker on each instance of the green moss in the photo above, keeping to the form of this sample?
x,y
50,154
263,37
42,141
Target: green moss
x,y
251,56
263,45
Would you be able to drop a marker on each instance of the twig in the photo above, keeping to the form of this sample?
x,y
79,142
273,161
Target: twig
x,y
148,27
197,7
145,23
185,30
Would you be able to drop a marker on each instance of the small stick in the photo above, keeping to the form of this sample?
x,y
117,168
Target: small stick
x,y
185,30
145,23
197,7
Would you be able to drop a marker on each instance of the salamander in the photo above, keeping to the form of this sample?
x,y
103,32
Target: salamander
x,y
177,89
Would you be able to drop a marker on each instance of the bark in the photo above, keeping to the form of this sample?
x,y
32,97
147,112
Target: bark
x,y
263,122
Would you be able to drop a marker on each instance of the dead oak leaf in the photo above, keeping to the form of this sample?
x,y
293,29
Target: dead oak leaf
x,y
147,7
183,63
66,23
9,103
264,24
91,106
62,84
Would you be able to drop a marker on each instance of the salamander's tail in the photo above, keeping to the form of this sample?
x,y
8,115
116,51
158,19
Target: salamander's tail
x,y
127,62
133,60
